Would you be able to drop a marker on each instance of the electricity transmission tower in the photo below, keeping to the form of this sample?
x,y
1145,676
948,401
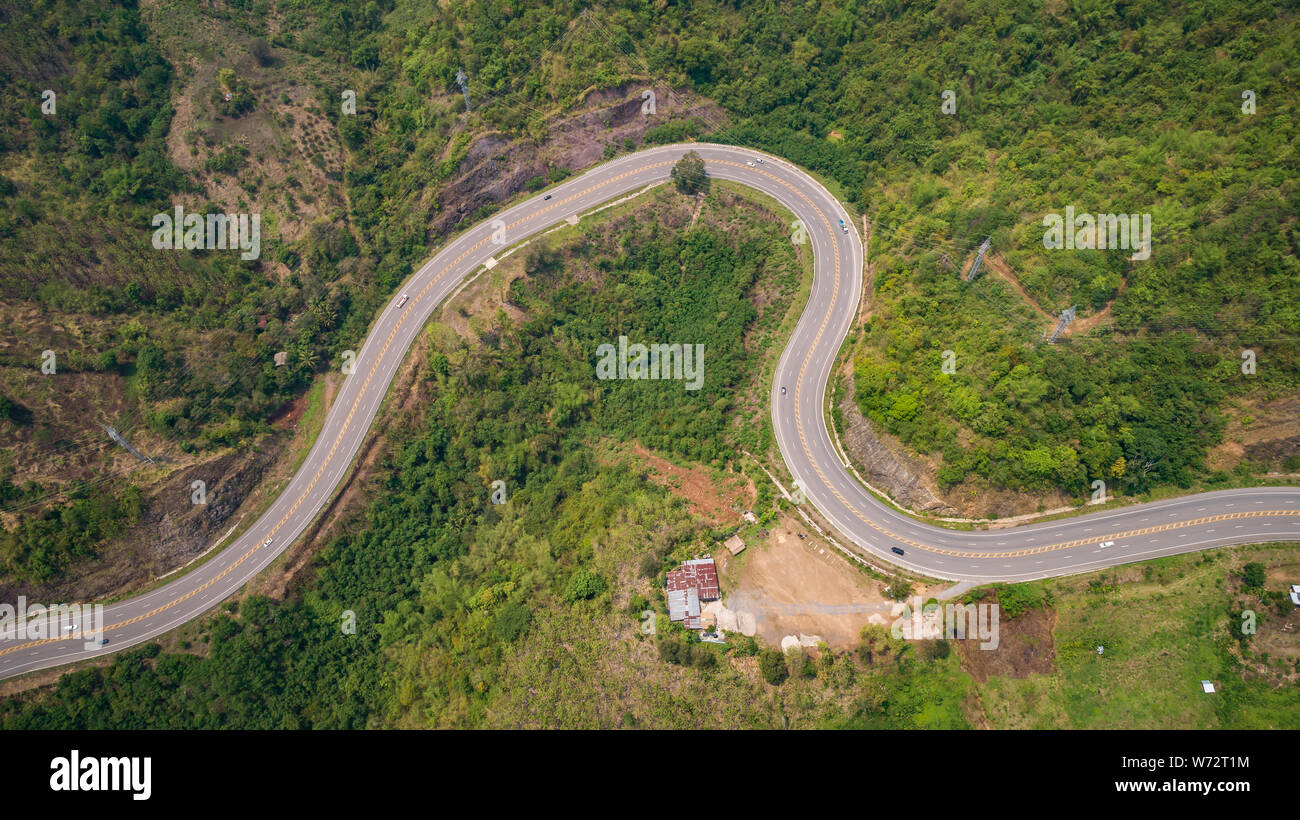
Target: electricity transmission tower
x,y
1067,316
115,436
463,82
975,268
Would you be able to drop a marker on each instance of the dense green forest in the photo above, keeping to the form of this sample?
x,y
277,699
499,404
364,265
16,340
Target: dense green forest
x,y
1105,106
1134,401
1045,116
444,583
1109,107
525,614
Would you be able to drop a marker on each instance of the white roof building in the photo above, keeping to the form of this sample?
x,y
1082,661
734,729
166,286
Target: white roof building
x,y
684,606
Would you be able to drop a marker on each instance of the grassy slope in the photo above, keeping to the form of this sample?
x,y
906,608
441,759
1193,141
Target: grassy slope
x,y
446,661
927,183
1165,627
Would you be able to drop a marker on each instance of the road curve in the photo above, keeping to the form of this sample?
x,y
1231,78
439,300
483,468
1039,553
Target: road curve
x,y
1021,553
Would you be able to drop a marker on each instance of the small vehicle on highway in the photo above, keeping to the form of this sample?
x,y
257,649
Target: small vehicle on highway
x,y
266,543
782,391
896,550
750,163
101,643
548,196
1105,544
401,302
760,160
844,227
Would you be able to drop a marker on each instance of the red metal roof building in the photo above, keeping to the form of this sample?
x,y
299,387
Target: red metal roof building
x,y
701,573
692,582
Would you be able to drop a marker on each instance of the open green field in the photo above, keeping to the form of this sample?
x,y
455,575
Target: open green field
x,y
1166,625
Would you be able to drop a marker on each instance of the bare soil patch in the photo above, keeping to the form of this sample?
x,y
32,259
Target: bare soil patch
x,y
718,500
287,417
998,265
495,168
796,585
1025,647
1266,433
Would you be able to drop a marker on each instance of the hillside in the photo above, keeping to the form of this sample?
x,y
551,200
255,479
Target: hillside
x,y
346,129
526,614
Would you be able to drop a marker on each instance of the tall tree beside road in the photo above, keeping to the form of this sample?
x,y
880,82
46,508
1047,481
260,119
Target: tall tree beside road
x,y
688,174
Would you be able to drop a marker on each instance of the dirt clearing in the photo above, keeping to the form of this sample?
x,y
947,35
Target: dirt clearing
x,y
718,505
794,586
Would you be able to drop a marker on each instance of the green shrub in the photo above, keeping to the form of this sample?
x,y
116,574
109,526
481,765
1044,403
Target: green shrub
x,y
771,664
512,621
584,585
1016,599
1253,575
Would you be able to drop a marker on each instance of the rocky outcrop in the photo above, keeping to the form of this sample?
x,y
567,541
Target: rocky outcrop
x,y
496,167
883,468
172,528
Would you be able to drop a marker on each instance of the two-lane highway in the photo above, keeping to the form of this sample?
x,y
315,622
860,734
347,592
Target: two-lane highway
x,y
1040,550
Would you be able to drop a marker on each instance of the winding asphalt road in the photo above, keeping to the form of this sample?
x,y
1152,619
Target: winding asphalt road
x,y
1052,548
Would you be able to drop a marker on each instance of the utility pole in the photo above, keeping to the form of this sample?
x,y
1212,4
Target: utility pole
x,y
463,82
975,268
115,436
1067,316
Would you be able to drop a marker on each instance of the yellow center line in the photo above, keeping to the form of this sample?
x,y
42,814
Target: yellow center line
x,y
346,422
1027,551
798,424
